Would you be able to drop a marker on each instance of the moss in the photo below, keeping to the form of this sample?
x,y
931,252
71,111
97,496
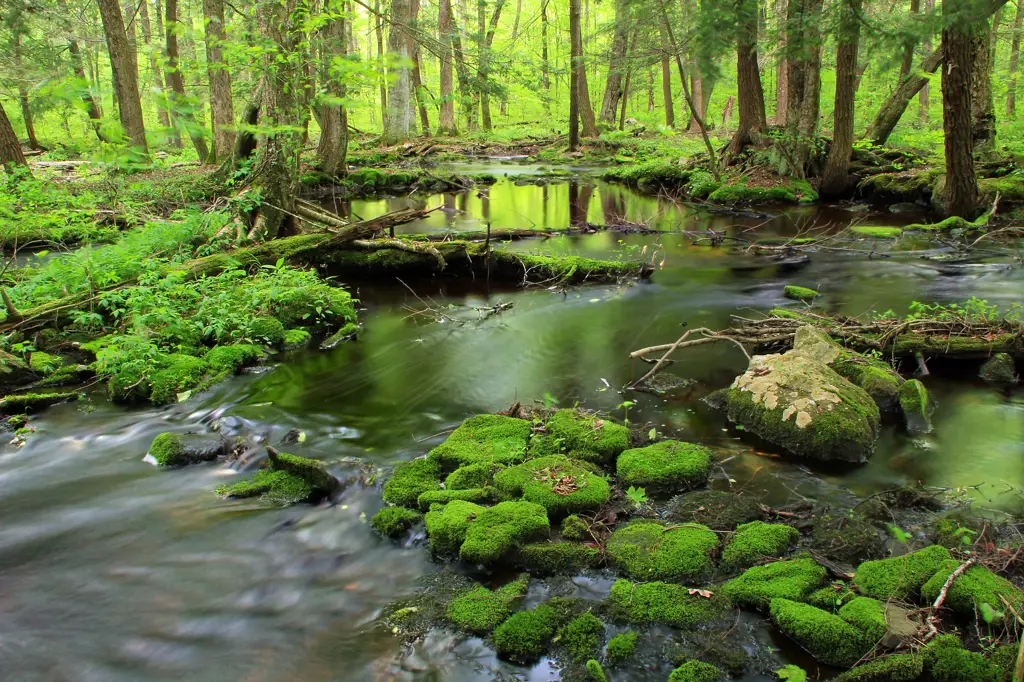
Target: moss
x,y
595,671
976,586
659,173
846,538
756,540
574,528
906,186
414,616
867,615
276,487
394,522
901,577
621,646
950,224
481,610
945,660
743,193
44,363
179,373
570,269
525,635
668,603
448,525
827,637
695,671
430,497
999,369
666,465
715,509
557,557
489,438
650,551
799,293
312,471
914,403
269,330
558,484
501,528
895,668
169,449
232,358
876,377
1010,189
794,580
33,402
956,531
832,597
582,636
876,231
581,436
296,338
470,476
410,480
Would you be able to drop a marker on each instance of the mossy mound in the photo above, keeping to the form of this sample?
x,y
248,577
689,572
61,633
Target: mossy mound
x,y
312,471
295,339
896,668
491,438
45,363
650,551
832,597
945,660
876,377
621,647
582,636
477,495
179,373
796,192
172,450
394,522
867,615
481,610
915,406
827,637
846,538
799,293
999,370
526,634
289,480
664,466
667,603
581,436
471,476
695,671
26,403
908,186
794,580
595,671
756,540
411,479
575,529
484,534
268,330
974,587
548,558
876,231
230,359
901,577
414,616
555,482
715,509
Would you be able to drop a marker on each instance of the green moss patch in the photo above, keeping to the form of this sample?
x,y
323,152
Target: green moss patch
x,y
695,671
410,480
876,231
664,466
232,358
431,497
595,671
999,370
490,438
945,660
557,557
756,540
895,668
650,551
526,634
793,580
799,293
667,603
974,587
180,373
575,529
621,647
558,484
275,487
582,636
295,339
876,377
827,637
581,436
916,410
170,450
901,577
484,534
481,610
867,615
24,403
395,522
470,476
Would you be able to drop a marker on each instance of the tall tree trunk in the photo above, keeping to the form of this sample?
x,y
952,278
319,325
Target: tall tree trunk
x,y
399,122
575,42
26,111
588,127
222,112
616,63
629,79
165,87
750,94
332,150
959,45
91,108
1011,88
379,29
181,107
515,23
810,103
465,82
781,68
10,149
154,63
924,97
126,75
446,119
485,63
417,82
909,44
835,180
545,67
666,81
983,113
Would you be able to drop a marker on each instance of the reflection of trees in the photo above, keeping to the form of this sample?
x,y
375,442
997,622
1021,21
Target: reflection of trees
x,y
613,206
579,202
449,210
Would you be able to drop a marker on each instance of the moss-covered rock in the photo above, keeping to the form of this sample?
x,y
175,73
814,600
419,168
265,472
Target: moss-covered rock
x,y
295,339
876,231
595,671
581,436
664,466
667,603
412,617
582,636
179,373
278,488
45,363
831,597
901,577
268,330
575,528
490,438
526,634
621,647
695,671
557,557
756,540
484,534
431,497
999,370
793,193
26,403
481,610
448,525
799,293
974,587
555,482
410,480
915,406
945,660
876,377
895,668
715,509
847,538
230,359
907,186
794,580
313,471
867,615
650,551
171,450
470,476
827,637
395,522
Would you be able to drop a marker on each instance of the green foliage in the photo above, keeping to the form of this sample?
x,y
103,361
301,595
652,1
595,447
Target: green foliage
x,y
637,495
792,673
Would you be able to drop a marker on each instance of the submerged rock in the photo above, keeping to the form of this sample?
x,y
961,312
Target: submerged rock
x,y
916,407
172,449
999,370
715,509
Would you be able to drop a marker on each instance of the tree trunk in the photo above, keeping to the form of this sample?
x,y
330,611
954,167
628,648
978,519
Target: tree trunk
x,y
983,113
222,112
629,79
91,108
10,149
545,67
835,180
924,97
332,150
446,119
909,45
26,111
666,81
485,63
575,42
588,127
750,95
182,108
781,70
126,75
165,87
417,82
154,63
959,45
616,63
379,28
802,117
1011,88
465,83
399,122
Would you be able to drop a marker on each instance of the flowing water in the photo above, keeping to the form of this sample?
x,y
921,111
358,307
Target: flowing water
x,y
113,570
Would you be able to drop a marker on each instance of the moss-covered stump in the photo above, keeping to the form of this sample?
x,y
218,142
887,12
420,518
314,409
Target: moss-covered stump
x,y
556,483
650,551
394,522
895,668
665,466
715,509
793,579
484,439
550,558
579,435
999,370
484,534
755,541
945,660
481,610
916,407
27,403
621,647
799,293
173,450
973,588
900,578
827,637
695,671
799,403
846,538
288,480
666,603
908,186
411,479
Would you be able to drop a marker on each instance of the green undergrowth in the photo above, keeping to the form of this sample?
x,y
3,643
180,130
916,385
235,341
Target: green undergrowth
x,y
36,213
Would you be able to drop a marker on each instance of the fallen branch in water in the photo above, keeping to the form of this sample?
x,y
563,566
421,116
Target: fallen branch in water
x,y
681,342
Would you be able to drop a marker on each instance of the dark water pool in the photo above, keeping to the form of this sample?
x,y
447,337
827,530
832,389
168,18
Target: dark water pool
x,y
113,570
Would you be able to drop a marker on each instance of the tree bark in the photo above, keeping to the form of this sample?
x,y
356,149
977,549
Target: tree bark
x,y
1011,88
750,94
126,75
959,47
666,81
222,112
629,79
835,180
379,29
399,122
154,64
545,66
332,151
485,63
574,78
11,155
806,109
924,97
616,63
446,119
182,108
781,69
983,113
465,83
165,87
417,82
26,110
588,127
909,45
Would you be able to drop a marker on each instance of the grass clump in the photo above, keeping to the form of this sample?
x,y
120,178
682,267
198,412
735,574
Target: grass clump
x,y
621,646
827,637
410,480
393,522
559,485
664,466
756,540
799,293
668,603
650,551
901,577
695,671
581,436
491,438
793,580
582,636
481,610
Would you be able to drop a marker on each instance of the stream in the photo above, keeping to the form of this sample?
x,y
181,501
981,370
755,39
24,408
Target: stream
x,y
111,569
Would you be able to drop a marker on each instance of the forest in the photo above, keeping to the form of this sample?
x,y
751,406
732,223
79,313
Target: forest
x,y
593,340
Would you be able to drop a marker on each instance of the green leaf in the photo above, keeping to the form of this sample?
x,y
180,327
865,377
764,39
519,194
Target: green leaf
x,y
653,434
793,673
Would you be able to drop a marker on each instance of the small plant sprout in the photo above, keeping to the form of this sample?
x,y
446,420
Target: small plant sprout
x,y
638,495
